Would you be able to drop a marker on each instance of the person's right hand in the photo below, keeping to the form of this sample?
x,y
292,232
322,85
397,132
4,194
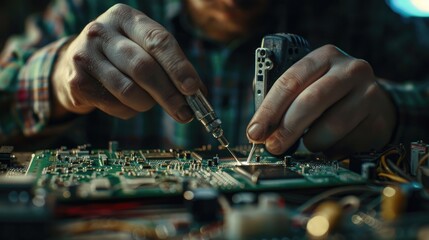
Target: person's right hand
x,y
123,63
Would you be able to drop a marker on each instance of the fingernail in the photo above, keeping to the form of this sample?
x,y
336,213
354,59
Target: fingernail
x,y
189,84
273,144
184,114
256,132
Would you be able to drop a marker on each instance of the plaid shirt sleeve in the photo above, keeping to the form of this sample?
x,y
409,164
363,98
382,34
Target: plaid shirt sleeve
x,y
25,67
412,103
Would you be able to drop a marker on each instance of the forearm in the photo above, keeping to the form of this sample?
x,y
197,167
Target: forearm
x,y
412,103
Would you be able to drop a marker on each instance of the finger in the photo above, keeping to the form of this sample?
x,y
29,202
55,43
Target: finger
x,y
284,91
88,91
160,44
336,123
306,108
132,60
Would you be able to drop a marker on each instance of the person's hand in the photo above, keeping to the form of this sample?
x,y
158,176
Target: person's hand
x,y
332,100
123,63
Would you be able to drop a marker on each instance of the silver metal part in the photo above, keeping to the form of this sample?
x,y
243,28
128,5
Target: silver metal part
x,y
252,151
205,114
262,65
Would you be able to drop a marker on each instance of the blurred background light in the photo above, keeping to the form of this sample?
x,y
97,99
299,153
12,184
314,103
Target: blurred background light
x,y
410,8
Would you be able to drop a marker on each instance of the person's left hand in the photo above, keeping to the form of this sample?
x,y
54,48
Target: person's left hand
x,y
331,99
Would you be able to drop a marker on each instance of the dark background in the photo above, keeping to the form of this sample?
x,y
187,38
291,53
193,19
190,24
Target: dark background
x,y
13,14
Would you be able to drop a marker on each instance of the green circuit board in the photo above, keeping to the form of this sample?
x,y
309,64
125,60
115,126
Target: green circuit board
x,y
82,173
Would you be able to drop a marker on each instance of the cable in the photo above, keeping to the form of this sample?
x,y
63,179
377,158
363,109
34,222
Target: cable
x,y
393,177
398,171
393,171
326,194
384,165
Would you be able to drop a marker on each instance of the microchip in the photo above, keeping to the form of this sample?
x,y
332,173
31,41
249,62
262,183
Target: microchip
x,y
223,155
153,155
267,173
6,155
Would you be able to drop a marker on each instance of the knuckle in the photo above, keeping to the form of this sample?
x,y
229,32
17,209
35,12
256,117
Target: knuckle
x,y
96,29
308,62
359,67
118,83
125,49
143,67
157,40
175,65
83,60
141,18
310,97
331,51
289,84
330,48
266,109
125,88
372,92
120,9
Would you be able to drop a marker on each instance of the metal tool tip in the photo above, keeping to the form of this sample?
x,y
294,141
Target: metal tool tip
x,y
233,155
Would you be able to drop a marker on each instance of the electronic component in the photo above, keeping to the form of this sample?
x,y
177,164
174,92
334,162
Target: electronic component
x,y
325,218
418,150
203,204
266,220
423,176
5,156
221,155
266,174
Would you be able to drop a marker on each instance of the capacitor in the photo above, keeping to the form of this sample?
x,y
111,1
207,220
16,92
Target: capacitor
x,y
392,203
324,219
